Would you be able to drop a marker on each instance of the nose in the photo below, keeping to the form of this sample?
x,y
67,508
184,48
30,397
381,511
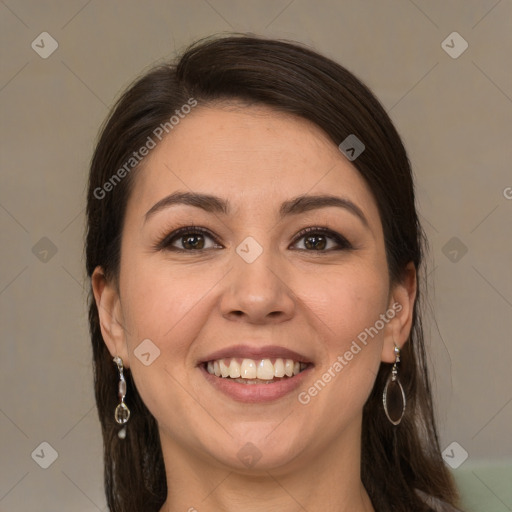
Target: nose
x,y
257,293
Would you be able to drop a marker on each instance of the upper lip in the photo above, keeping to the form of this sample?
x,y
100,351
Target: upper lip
x,y
256,353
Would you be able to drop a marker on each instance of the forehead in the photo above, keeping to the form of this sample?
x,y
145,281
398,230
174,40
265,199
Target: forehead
x,y
250,155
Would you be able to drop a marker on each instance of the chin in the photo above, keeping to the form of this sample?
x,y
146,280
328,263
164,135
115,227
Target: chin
x,y
260,450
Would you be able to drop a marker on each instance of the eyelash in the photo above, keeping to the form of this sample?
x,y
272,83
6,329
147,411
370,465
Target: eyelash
x,y
166,241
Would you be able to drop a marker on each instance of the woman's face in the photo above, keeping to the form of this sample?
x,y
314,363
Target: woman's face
x,y
250,240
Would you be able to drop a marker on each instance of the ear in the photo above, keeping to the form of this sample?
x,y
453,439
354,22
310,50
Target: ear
x,y
110,314
402,298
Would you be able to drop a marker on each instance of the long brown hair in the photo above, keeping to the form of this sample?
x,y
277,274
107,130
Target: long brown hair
x,y
398,463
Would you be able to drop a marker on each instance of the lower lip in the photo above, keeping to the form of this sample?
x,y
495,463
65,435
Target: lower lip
x,y
256,393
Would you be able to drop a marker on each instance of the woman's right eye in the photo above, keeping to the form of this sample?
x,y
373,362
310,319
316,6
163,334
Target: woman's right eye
x,y
191,239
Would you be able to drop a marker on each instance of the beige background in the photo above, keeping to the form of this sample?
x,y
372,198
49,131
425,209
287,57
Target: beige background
x,y
455,116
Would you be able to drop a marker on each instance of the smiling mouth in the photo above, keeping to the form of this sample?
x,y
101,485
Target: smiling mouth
x,y
255,371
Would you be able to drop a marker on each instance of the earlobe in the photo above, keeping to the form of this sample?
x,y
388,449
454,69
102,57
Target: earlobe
x,y
403,297
107,301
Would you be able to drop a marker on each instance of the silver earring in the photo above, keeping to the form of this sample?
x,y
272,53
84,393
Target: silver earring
x,y
122,413
394,393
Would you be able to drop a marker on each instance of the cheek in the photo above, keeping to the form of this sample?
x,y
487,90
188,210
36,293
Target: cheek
x,y
165,305
347,301
347,306
168,308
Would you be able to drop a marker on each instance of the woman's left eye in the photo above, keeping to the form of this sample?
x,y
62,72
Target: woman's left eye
x,y
320,240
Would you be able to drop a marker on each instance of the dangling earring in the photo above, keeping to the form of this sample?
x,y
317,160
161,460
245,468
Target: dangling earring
x,y
122,413
394,392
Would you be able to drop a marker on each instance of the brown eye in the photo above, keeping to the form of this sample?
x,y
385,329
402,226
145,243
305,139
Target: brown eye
x,y
189,239
320,240
315,242
195,241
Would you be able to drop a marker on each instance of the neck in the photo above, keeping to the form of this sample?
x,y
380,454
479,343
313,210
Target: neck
x,y
327,481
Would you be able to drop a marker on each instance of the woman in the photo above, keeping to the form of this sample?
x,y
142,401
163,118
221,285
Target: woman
x,y
253,248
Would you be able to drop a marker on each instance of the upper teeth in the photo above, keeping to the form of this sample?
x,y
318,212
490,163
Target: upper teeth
x,y
262,369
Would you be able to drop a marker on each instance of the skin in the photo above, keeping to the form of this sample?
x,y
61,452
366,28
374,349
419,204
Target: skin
x,y
313,301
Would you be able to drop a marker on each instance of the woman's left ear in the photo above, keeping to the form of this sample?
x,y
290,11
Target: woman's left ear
x,y
403,296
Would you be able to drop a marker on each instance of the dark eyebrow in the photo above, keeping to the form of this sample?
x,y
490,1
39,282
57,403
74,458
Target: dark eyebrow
x,y
306,203
206,202
294,206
